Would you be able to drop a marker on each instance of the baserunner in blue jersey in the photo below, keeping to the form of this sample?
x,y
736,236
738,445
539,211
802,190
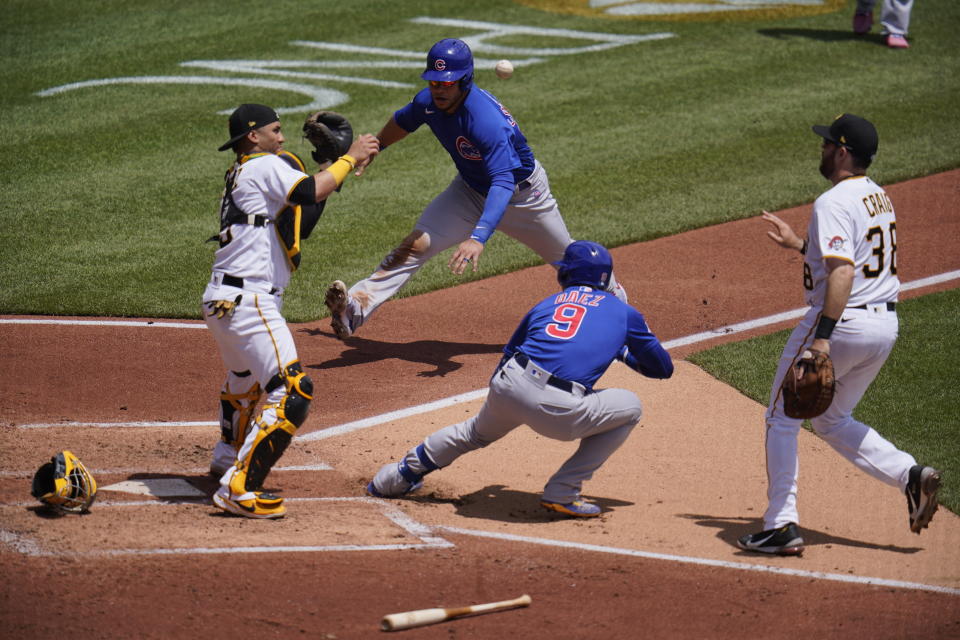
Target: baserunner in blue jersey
x,y
545,380
499,185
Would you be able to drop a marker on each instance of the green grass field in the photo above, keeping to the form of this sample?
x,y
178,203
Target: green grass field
x,y
110,190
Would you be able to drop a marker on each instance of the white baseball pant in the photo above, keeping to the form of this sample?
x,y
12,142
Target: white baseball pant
x,y
860,344
255,338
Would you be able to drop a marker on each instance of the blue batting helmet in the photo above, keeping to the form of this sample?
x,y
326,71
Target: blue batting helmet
x,y
585,263
449,59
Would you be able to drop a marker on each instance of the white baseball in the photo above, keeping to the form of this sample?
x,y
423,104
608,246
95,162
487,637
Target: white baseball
x,y
504,69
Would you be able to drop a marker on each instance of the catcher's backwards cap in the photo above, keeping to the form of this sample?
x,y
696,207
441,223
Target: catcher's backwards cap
x,y
64,484
245,119
450,59
585,263
853,132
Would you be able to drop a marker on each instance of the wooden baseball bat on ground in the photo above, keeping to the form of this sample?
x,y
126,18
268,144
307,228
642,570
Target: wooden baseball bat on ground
x,y
421,617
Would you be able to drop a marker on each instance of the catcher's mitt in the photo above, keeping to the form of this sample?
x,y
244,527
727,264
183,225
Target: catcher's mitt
x,y
809,385
330,134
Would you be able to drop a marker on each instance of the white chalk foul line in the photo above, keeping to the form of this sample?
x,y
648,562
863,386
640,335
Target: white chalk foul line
x,y
741,566
740,327
450,401
698,337
428,540
319,466
672,344
392,415
113,425
106,323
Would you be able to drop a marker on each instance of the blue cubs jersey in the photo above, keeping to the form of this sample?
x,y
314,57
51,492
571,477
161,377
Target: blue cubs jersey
x,y
482,138
576,333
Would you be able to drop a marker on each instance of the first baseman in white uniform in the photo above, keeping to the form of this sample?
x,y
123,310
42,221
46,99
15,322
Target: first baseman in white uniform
x,y
269,204
499,185
850,278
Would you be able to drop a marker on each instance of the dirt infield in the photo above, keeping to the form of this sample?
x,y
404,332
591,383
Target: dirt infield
x,y
154,559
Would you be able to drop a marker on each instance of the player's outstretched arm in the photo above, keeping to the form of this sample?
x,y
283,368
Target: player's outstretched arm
x,y
391,133
782,233
364,149
361,151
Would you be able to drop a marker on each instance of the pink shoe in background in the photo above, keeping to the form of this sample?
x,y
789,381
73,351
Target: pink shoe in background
x,y
897,42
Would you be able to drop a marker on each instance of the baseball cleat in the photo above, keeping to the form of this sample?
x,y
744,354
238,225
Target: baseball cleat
x,y
783,541
263,505
372,491
577,508
897,42
922,496
336,301
394,480
862,22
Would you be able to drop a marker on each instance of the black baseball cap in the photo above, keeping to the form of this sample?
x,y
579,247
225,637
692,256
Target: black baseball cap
x,y
853,132
245,119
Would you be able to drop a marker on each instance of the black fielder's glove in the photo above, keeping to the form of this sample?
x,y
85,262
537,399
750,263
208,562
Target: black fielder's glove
x,y
330,134
809,385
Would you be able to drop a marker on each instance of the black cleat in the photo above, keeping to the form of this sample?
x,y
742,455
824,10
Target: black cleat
x,y
785,541
922,496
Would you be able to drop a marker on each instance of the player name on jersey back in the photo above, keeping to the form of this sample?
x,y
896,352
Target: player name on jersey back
x,y
877,203
585,298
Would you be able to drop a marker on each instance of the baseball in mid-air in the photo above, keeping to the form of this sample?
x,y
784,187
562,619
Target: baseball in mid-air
x,y
504,69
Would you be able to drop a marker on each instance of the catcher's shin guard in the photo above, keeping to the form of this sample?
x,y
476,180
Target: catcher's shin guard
x,y
236,409
275,429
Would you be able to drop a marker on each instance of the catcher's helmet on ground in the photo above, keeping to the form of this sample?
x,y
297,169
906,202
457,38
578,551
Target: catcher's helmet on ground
x,y
64,484
585,263
450,59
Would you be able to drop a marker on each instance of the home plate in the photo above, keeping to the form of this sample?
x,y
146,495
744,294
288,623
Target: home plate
x,y
157,487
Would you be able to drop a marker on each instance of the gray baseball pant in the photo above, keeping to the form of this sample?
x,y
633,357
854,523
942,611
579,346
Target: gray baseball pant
x,y
601,420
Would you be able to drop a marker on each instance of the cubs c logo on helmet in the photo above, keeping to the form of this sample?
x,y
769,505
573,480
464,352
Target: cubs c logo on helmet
x,y
448,60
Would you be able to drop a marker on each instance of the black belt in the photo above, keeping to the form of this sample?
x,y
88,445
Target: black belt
x,y
233,281
553,380
891,306
525,184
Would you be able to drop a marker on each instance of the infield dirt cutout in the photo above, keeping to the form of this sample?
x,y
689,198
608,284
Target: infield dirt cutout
x,y
687,483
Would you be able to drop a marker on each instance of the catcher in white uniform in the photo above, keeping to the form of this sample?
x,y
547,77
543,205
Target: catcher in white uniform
x,y
850,277
269,204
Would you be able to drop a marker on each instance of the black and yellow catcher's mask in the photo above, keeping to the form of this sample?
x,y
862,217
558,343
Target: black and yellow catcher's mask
x,y
64,484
